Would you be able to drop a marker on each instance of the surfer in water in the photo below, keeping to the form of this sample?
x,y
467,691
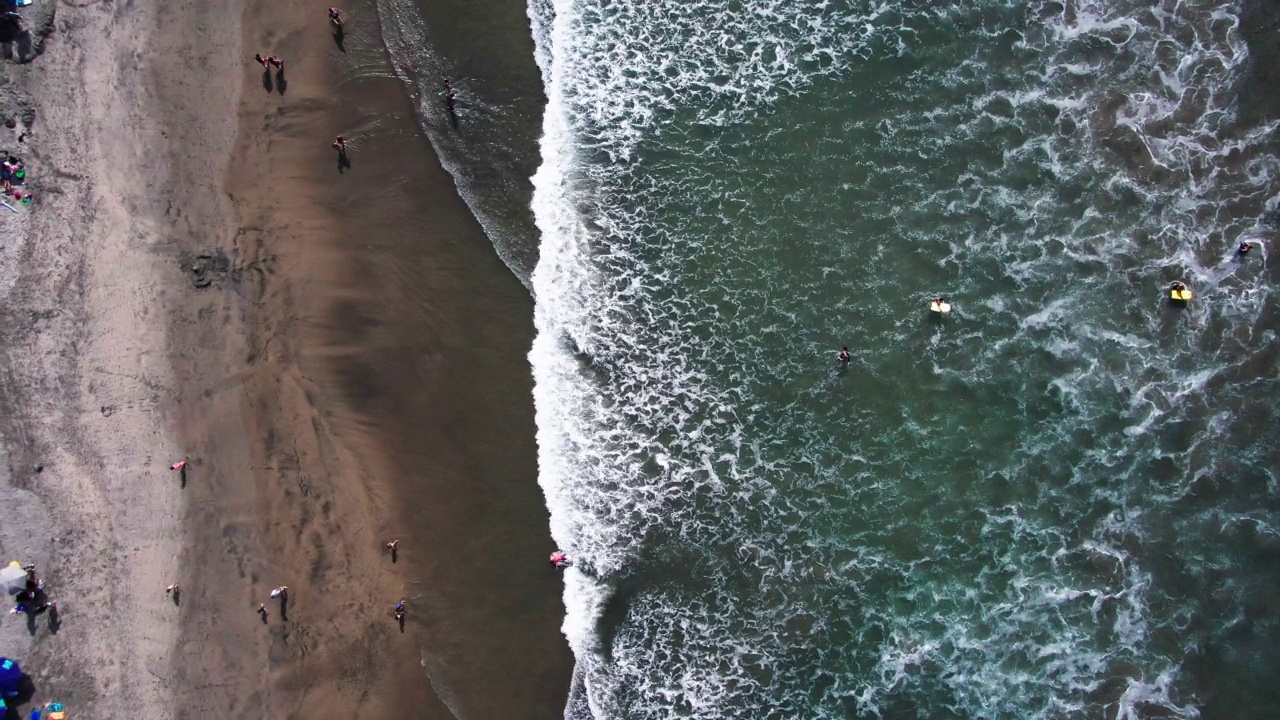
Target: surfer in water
x,y
844,355
450,97
559,560
1246,246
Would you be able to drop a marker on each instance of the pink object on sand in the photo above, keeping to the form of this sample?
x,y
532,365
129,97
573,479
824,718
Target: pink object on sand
x,y
178,465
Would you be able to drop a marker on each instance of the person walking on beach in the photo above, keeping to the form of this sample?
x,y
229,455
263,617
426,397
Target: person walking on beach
x,y
281,592
340,144
393,545
400,610
171,589
262,611
265,62
277,61
335,17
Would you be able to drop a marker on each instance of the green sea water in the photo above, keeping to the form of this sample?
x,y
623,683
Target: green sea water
x,y
1058,501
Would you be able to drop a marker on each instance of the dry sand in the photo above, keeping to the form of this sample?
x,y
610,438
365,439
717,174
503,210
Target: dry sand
x,y
340,356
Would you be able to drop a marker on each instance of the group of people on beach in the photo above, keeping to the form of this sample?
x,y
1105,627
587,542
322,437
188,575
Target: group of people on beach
x,y
32,598
269,61
12,175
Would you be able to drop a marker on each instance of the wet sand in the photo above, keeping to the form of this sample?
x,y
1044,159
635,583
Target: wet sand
x,y
337,351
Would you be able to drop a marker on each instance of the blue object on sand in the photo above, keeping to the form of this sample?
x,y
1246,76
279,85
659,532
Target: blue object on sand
x,y
22,3
10,677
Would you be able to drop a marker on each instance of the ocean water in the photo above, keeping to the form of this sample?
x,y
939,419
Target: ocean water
x,y
1060,501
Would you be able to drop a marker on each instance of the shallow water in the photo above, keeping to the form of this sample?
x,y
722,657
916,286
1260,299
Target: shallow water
x,y
1059,501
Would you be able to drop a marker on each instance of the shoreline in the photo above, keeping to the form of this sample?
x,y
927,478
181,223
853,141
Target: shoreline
x,y
344,365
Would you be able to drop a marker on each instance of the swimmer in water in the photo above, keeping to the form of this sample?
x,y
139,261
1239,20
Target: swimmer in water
x,y
1246,246
844,355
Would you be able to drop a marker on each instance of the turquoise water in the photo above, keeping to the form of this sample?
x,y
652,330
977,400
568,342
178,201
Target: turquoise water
x,y
1057,502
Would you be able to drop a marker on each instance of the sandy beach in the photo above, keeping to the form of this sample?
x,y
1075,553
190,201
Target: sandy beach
x,y
336,351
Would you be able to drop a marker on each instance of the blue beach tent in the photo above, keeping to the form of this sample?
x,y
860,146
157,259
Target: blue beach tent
x,y
10,677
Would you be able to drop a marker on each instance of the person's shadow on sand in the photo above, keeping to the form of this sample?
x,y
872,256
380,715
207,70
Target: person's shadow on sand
x,y
400,620
344,162
281,83
177,596
340,38
266,80
284,607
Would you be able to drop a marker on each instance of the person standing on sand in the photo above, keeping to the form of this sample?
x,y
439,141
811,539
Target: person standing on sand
x,y
393,545
263,61
400,610
171,589
335,17
281,592
262,610
277,61
340,144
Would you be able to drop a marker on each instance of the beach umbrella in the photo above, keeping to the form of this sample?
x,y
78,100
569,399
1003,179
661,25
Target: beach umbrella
x,y
10,677
13,578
